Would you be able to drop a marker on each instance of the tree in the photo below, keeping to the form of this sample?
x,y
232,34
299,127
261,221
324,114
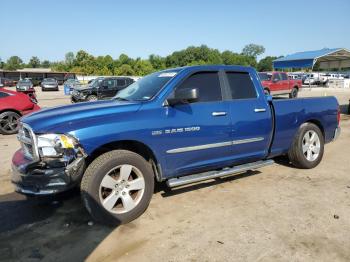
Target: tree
x,y
2,64
45,64
253,50
143,67
265,64
34,62
158,62
124,70
13,63
69,58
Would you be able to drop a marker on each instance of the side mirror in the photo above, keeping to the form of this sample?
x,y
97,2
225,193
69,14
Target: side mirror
x,y
275,80
183,96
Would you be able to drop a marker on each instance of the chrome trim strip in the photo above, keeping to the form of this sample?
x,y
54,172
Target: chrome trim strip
x,y
214,145
248,140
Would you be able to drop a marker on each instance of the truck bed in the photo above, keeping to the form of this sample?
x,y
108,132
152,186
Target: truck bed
x,y
291,113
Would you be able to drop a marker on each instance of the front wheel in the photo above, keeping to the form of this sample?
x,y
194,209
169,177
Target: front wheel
x,y
9,123
91,98
117,187
293,93
308,147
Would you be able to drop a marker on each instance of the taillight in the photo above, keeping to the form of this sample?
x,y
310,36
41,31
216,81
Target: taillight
x,y
338,115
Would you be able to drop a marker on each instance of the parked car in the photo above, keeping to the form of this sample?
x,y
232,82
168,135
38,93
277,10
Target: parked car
x,y
313,79
69,85
24,85
278,83
13,105
179,126
6,82
49,84
101,88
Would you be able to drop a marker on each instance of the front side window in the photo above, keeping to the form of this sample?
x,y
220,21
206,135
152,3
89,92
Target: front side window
x,y
276,77
108,84
121,82
241,85
208,86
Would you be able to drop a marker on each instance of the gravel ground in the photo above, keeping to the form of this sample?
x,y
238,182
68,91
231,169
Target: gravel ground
x,y
278,213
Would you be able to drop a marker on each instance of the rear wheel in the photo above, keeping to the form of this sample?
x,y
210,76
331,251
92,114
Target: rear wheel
x,y
9,123
117,187
308,147
293,93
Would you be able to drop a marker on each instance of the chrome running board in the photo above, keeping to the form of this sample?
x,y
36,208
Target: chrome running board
x,y
184,180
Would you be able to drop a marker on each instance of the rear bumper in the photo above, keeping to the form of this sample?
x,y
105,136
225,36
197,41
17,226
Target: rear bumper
x,y
336,133
40,179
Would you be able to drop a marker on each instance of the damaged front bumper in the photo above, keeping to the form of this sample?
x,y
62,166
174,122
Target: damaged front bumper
x,y
45,178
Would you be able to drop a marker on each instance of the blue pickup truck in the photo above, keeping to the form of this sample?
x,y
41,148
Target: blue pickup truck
x,y
177,126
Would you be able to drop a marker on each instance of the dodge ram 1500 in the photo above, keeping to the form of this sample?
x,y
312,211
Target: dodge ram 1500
x,y
180,126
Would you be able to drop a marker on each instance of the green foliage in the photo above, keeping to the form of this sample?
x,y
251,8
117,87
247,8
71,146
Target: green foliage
x,y
45,64
265,64
34,62
253,50
69,58
13,63
85,63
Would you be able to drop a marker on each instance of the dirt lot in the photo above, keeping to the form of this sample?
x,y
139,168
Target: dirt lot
x,y
278,213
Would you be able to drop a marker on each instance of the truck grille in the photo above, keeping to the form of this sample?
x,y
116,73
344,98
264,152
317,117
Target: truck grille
x,y
27,139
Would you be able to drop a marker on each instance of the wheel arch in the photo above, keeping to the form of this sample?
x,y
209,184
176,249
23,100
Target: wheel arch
x,y
131,145
318,124
10,110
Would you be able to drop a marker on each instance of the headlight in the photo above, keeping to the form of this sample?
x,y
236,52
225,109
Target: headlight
x,y
55,145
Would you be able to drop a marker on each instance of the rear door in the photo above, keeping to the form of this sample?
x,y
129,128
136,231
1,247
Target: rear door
x,y
250,116
198,134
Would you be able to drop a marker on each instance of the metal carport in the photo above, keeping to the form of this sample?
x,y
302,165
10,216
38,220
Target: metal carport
x,y
327,58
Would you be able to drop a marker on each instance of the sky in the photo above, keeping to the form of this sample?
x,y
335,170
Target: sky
x,y
50,29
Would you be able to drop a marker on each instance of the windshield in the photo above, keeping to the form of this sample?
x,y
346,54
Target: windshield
x,y
265,76
95,82
147,87
25,81
49,80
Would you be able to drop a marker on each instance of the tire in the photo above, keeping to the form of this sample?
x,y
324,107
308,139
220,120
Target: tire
x,y
91,98
9,123
101,171
43,89
299,152
294,93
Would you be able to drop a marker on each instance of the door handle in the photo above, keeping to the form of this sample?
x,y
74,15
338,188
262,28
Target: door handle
x,y
219,114
258,110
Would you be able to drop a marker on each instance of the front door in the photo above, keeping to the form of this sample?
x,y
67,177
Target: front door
x,y
197,135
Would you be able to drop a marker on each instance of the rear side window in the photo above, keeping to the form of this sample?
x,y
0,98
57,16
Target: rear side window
x,y
2,94
208,85
241,85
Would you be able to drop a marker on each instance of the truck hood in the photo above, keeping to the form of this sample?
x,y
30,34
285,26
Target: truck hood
x,y
68,118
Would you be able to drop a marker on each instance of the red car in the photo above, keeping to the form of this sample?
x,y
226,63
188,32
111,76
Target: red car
x,y
13,105
278,83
